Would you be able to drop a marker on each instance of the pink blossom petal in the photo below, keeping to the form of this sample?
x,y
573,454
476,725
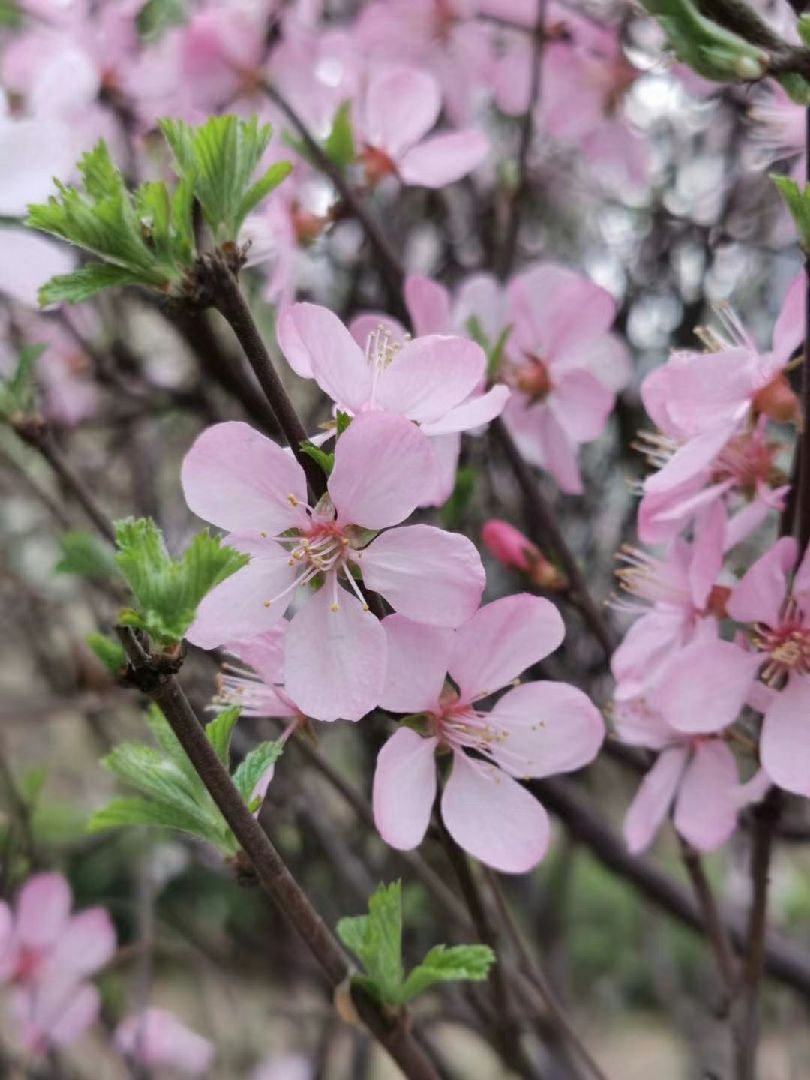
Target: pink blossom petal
x,y
27,262
689,459
446,450
501,640
401,105
238,607
335,660
429,376
444,158
471,413
493,818
156,1039
363,326
545,728
707,553
428,305
758,596
706,807
581,405
705,685
788,333
653,799
33,152
425,573
785,745
418,656
78,1015
404,788
556,312
384,467
236,478
86,944
263,652
336,360
43,910
292,345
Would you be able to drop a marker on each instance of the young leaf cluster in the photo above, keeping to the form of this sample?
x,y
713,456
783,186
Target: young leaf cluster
x,y
170,793
146,237
376,940
218,161
168,591
709,49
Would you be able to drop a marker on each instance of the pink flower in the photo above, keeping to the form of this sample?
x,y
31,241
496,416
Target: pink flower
x,y
778,613
564,366
156,1039
697,774
334,663
433,380
47,955
532,731
399,107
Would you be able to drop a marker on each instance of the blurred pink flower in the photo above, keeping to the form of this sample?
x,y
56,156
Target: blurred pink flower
x,y
156,1039
47,955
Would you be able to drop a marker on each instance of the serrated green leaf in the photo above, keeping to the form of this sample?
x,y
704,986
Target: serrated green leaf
x,y
168,591
325,460
80,285
339,144
18,393
109,652
219,731
85,555
376,940
262,188
254,766
342,421
170,746
448,964
798,203
122,812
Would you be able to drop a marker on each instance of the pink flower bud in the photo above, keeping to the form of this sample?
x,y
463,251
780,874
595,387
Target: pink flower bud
x,y
509,545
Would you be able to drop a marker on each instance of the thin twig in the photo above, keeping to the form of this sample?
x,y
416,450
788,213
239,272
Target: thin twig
x,y
715,928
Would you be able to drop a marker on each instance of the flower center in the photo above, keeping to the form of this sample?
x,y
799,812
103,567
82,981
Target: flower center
x,y
377,164
788,647
533,379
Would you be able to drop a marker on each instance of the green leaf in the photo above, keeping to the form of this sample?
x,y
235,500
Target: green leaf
x,y
219,730
798,202
168,591
219,159
108,651
254,765
170,746
10,15
709,49
339,145
85,555
18,393
449,964
376,940
325,460
80,285
158,16
123,812
342,421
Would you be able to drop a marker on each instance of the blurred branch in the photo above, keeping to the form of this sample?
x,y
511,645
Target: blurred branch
x,y
716,931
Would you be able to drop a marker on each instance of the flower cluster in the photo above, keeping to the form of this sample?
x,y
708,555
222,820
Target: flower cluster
x,y
337,563
712,651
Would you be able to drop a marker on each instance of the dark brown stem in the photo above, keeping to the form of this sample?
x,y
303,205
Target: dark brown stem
x,y
389,262
766,817
716,931
546,533
227,298
516,203
36,435
271,871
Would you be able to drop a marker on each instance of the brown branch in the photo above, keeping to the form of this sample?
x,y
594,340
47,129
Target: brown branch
x,y
227,298
165,691
716,931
